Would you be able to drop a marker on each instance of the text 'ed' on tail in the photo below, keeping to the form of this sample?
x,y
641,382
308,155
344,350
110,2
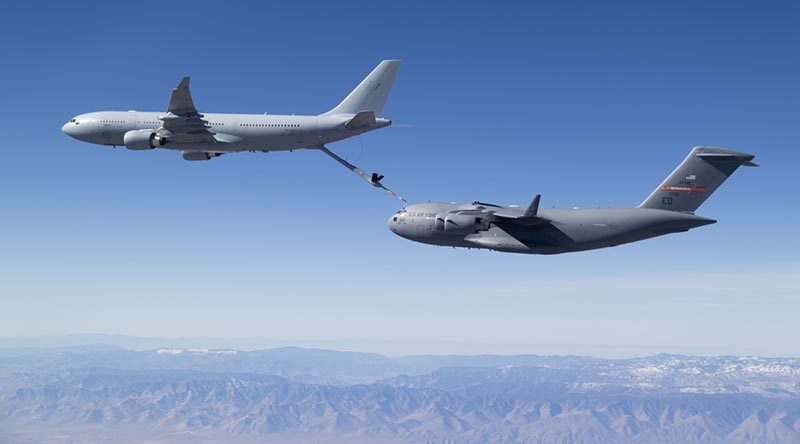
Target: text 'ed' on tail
x,y
699,175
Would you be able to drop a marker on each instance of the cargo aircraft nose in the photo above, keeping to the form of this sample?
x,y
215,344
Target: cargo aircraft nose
x,y
397,223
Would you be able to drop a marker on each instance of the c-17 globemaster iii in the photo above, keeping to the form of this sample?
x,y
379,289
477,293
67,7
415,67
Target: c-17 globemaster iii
x,y
206,136
668,209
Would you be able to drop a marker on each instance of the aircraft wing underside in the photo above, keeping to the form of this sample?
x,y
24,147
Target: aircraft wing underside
x,y
528,229
539,235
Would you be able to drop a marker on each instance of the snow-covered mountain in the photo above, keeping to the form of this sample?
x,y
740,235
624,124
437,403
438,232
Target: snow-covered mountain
x,y
280,394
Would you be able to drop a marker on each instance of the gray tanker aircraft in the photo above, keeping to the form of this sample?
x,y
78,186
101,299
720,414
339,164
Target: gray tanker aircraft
x,y
205,136
668,209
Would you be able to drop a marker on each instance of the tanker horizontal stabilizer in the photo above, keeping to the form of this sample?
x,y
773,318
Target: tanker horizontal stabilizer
x,y
361,120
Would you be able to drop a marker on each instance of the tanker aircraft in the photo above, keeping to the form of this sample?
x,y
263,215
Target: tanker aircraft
x,y
206,136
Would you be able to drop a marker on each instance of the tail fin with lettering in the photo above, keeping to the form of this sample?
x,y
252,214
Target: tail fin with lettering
x,y
372,92
699,175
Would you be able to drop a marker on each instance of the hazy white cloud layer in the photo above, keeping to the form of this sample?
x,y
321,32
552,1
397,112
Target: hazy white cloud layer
x,y
736,311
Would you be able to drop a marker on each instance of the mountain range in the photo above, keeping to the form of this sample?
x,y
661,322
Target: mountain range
x,y
92,393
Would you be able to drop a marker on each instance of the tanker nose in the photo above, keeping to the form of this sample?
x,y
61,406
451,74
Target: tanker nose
x,y
67,128
71,128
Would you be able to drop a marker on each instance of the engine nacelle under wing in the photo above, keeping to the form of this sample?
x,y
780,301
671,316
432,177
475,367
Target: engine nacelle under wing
x,y
455,223
143,140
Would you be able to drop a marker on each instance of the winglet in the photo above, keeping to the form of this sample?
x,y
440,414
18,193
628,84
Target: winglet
x,y
181,103
529,218
533,208
184,83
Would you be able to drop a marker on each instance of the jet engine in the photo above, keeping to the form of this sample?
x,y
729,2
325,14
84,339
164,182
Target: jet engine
x,y
143,140
455,223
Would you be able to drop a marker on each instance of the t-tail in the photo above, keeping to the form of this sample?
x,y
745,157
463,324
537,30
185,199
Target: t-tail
x,y
699,175
371,93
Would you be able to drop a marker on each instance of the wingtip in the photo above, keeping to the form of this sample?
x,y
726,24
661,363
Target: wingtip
x,y
184,83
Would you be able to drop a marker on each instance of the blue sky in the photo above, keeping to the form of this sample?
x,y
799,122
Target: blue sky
x,y
590,104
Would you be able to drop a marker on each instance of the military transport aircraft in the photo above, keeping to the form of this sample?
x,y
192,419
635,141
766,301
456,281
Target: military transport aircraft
x,y
669,209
